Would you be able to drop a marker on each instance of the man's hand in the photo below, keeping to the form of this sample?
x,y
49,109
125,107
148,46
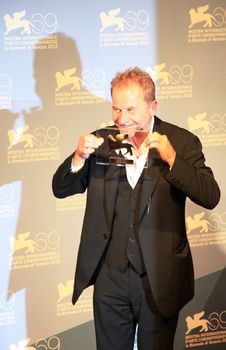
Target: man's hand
x,y
163,146
86,146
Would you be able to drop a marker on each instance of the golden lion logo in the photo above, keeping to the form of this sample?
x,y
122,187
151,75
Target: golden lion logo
x,y
15,22
199,15
195,322
23,243
20,136
198,122
110,19
197,221
159,74
67,78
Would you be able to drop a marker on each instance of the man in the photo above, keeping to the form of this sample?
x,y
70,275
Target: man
x,y
133,246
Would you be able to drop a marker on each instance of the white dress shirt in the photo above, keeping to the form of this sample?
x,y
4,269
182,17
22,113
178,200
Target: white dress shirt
x,y
133,171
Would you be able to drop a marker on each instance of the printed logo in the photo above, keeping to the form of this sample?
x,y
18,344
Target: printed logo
x,y
5,89
207,25
73,90
23,242
200,15
198,122
40,145
29,251
210,129
196,322
175,82
205,331
161,75
16,21
117,29
112,19
23,32
68,78
65,307
203,231
20,136
197,221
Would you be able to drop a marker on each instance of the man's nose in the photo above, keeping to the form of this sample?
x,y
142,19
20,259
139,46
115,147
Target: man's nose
x,y
122,117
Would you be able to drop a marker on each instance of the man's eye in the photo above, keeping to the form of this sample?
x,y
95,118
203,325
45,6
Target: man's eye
x,y
117,110
131,110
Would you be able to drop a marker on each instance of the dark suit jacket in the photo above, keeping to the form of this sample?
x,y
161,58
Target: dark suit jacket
x,y
162,231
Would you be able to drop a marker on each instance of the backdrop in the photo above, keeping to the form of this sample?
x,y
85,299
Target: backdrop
x,y
57,59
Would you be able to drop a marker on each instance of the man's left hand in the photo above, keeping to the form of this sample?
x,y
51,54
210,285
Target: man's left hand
x,y
163,146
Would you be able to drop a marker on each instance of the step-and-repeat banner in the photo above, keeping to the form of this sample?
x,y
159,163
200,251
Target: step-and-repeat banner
x,y
57,59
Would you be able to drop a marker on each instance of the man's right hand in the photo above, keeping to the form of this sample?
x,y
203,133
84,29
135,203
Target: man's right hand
x,y
86,146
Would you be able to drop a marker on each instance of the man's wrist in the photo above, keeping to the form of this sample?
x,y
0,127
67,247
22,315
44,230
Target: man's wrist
x,y
77,163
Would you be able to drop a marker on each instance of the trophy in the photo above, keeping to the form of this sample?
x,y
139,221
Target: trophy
x,y
118,147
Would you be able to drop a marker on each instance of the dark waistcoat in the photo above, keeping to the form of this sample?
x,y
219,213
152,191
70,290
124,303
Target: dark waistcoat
x,y
124,245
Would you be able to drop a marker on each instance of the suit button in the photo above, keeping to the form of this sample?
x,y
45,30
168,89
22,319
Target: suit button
x,y
131,240
105,236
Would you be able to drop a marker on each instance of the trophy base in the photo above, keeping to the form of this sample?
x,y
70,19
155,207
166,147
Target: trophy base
x,y
120,161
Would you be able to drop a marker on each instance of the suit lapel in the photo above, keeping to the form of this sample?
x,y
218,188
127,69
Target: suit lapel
x,y
151,175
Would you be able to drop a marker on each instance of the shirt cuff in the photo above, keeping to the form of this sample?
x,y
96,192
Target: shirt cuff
x,y
75,168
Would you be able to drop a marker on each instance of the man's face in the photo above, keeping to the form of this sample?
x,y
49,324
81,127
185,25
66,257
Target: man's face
x,y
130,109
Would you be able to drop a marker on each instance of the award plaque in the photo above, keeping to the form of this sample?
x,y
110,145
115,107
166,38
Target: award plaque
x,y
118,146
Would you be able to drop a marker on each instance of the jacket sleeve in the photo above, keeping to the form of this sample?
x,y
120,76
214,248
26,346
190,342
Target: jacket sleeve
x,y
190,174
66,183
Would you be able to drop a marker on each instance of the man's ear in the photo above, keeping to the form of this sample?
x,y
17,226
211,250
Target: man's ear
x,y
153,106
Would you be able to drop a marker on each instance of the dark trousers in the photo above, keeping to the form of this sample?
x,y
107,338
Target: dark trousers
x,y
122,302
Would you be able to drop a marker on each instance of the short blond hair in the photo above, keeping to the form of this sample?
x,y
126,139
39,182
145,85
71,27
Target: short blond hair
x,y
137,76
